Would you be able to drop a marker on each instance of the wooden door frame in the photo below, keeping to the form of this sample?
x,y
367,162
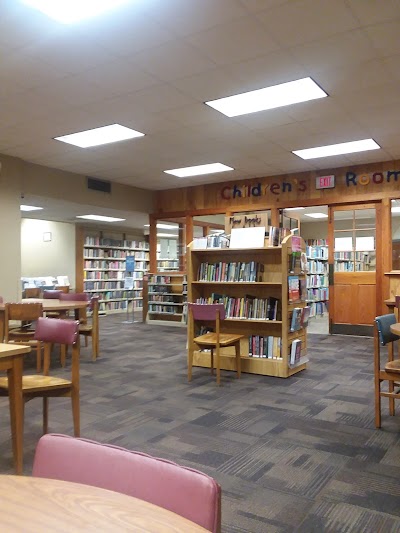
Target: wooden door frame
x,y
383,255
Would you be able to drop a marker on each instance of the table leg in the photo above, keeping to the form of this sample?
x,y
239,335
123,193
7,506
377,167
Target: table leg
x,y
16,411
1,325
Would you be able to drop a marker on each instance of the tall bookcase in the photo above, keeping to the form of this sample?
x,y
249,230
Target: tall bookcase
x,y
317,276
104,270
248,281
166,298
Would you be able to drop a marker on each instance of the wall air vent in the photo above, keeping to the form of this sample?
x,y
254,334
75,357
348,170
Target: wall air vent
x,y
99,185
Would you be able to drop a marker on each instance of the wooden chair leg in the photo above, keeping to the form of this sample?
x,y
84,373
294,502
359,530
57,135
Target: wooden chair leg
x,y
212,361
63,354
38,357
45,415
190,361
391,384
238,360
94,349
76,413
218,366
378,402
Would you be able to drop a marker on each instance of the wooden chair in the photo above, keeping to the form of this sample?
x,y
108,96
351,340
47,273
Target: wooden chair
x,y
391,369
77,297
32,292
62,288
182,490
91,329
25,314
52,294
49,331
211,340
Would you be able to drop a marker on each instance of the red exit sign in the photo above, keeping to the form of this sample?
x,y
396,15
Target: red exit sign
x,y
325,182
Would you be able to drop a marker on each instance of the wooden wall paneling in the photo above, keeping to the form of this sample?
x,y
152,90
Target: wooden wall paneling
x,y
367,311
344,305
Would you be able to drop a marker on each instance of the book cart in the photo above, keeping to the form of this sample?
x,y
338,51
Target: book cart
x,y
165,298
249,282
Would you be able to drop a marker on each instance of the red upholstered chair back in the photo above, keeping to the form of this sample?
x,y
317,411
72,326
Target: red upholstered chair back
x,y
57,331
74,296
207,311
51,295
184,491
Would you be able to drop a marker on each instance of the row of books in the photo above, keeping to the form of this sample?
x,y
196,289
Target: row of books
x,y
317,280
318,294
317,267
170,309
317,252
249,307
110,286
276,235
318,308
164,279
104,276
112,295
167,298
300,317
268,347
114,254
317,242
235,271
117,243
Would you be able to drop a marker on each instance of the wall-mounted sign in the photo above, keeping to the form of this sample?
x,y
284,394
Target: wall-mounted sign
x,y
325,182
248,220
130,263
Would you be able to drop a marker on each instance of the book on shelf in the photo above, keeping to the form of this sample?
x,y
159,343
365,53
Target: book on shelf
x,y
267,347
295,323
305,315
294,288
303,288
295,352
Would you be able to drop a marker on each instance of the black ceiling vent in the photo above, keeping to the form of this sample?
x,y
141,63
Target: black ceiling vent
x,y
99,185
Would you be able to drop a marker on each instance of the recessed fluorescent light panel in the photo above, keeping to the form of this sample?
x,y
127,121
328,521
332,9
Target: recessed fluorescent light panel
x,y
70,11
101,218
338,149
29,208
163,226
169,235
316,215
104,135
199,170
396,209
281,95
294,208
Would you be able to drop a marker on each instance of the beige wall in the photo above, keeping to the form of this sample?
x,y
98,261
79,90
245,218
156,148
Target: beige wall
x,y
53,258
314,230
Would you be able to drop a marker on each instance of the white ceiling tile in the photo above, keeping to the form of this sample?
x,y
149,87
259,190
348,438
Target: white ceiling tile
x,y
174,59
253,6
352,48
384,37
237,41
209,85
370,12
305,21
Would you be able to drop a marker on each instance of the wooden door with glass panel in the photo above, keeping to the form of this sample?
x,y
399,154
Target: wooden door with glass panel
x,y
352,269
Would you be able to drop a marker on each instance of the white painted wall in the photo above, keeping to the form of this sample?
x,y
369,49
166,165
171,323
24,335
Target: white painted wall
x,y
53,258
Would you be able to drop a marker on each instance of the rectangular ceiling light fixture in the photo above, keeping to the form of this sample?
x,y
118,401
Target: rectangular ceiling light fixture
x,y
316,215
104,135
163,226
281,95
101,218
199,170
294,208
338,149
29,208
70,11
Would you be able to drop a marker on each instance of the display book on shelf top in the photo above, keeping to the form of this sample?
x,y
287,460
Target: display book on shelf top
x,y
253,284
105,270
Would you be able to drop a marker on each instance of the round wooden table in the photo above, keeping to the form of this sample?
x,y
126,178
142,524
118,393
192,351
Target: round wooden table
x,y
395,328
49,505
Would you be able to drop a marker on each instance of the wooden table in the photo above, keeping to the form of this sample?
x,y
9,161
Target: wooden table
x,y
11,360
48,305
49,505
395,328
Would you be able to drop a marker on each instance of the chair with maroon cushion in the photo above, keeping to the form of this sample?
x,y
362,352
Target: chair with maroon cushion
x,y
91,329
207,313
76,297
184,491
49,331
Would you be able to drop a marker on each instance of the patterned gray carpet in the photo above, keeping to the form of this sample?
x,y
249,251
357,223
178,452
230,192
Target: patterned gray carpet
x,y
297,455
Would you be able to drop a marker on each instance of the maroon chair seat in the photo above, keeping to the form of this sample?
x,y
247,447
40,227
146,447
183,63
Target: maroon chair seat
x,y
51,294
184,491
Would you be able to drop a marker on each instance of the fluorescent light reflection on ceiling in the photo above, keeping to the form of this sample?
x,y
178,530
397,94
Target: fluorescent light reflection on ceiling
x,y
316,215
281,95
104,135
338,149
29,208
101,218
70,11
169,235
198,170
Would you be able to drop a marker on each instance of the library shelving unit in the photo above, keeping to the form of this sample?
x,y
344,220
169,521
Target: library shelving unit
x,y
354,261
166,298
317,276
249,282
104,272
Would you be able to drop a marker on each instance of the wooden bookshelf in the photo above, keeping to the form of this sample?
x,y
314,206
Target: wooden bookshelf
x,y
271,282
104,271
317,276
166,298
